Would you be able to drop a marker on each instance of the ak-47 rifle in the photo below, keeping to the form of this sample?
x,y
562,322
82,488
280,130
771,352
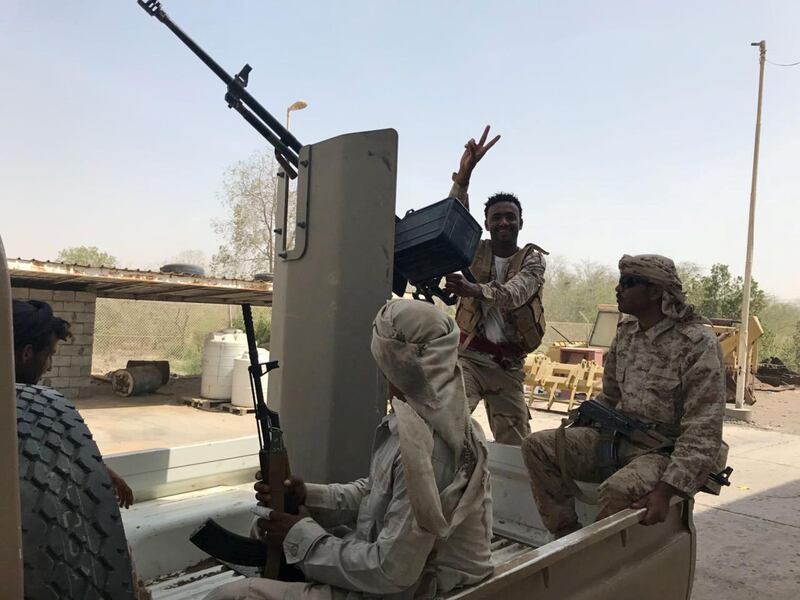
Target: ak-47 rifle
x,y
592,411
238,550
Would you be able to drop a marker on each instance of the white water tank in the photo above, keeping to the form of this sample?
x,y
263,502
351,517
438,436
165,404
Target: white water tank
x,y
241,394
221,348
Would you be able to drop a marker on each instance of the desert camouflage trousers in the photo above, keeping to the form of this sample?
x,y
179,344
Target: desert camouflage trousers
x,y
502,391
554,497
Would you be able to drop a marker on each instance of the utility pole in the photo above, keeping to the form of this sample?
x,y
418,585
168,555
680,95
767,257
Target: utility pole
x,y
743,354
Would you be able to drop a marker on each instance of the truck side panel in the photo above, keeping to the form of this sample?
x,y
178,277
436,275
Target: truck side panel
x,y
614,559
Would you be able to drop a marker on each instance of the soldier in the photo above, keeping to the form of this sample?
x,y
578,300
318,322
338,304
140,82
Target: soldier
x,y
501,317
37,333
664,367
420,525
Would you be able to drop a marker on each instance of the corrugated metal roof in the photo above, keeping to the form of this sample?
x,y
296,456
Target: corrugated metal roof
x,y
113,282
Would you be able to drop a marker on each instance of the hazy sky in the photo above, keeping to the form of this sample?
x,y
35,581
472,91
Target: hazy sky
x,y
627,126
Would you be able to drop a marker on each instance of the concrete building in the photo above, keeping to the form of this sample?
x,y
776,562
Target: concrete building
x,y
72,291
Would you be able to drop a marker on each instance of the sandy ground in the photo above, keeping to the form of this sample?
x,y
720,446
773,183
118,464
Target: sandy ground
x,y
748,538
159,420
779,411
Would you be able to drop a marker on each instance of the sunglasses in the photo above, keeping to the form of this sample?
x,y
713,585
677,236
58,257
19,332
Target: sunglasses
x,y
628,281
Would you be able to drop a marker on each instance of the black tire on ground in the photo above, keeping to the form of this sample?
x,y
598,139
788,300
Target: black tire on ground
x,y
72,536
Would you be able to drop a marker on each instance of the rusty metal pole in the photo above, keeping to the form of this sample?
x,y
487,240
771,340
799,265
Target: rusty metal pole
x,y
743,355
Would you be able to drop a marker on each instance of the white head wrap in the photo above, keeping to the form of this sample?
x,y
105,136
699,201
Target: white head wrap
x,y
416,347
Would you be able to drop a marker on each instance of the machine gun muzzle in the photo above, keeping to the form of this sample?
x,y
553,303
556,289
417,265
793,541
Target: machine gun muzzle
x,y
287,147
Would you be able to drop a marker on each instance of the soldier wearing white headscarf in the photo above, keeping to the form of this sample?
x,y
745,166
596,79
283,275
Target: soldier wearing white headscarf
x,y
421,524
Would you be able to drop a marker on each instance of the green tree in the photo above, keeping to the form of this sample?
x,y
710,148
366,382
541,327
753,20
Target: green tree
x,y
780,322
572,292
691,275
89,256
793,350
262,326
249,196
719,294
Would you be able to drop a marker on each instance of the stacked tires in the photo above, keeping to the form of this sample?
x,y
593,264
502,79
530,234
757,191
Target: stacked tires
x,y
73,541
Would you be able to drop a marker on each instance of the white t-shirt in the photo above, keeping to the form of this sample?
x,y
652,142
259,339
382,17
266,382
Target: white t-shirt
x,y
493,322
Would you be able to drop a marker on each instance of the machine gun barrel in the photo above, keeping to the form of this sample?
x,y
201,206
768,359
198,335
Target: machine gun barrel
x,y
286,145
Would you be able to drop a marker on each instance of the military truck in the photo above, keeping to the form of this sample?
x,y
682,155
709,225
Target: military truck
x,y
330,397
63,534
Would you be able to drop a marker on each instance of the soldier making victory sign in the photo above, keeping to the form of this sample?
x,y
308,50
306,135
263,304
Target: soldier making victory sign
x,y
501,316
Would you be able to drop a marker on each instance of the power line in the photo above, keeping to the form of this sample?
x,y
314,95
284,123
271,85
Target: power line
x,y
794,64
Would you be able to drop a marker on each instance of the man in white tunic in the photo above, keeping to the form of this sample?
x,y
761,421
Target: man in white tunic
x,y
421,524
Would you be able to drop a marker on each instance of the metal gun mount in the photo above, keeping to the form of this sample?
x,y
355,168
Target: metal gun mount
x,y
287,147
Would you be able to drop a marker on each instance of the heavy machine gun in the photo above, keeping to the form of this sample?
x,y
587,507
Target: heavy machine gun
x,y
238,98
211,537
429,243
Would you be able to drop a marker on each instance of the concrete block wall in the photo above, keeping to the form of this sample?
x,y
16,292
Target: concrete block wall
x,y
72,363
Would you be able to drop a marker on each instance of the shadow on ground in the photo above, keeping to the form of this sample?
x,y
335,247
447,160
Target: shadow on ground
x,y
750,548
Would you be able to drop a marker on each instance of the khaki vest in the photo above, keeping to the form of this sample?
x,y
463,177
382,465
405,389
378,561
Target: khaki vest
x,y
527,320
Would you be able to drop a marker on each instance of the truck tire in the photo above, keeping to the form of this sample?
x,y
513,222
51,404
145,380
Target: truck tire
x,y
73,542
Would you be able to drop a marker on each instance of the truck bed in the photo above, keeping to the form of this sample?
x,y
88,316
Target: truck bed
x,y
195,584
614,559
192,585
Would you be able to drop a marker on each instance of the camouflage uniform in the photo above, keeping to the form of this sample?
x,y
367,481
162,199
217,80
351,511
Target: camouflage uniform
x,y
500,383
671,374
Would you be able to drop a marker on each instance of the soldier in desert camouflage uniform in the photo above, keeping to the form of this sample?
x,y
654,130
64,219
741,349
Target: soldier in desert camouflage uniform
x,y
664,367
501,317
